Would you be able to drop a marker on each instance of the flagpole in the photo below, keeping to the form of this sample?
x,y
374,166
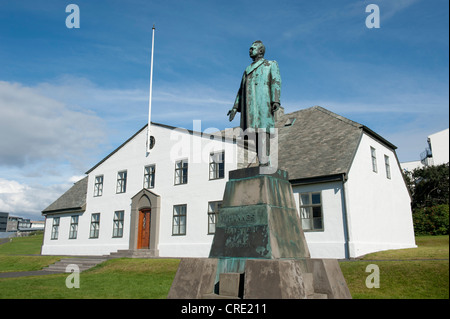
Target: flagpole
x,y
150,94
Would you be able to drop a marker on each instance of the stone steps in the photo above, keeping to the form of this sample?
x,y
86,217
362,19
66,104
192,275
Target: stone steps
x,y
83,263
132,253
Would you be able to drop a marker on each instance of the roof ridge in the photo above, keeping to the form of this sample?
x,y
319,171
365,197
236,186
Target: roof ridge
x,y
337,116
328,112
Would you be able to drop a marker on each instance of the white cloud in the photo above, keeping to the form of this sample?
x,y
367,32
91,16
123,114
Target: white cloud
x,y
37,128
28,200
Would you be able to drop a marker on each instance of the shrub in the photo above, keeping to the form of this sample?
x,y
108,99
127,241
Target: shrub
x,y
431,220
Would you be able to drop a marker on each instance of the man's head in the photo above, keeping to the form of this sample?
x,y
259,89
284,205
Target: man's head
x,y
257,50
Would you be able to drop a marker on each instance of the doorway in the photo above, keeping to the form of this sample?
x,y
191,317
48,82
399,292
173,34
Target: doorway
x,y
145,221
144,229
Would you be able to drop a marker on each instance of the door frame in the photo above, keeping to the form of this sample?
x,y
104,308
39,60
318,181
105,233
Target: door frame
x,y
145,200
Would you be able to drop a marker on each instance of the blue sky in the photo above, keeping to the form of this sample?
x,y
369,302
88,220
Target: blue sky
x,y
70,96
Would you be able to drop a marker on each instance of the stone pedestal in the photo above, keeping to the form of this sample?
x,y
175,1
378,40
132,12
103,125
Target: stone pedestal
x,y
259,249
258,218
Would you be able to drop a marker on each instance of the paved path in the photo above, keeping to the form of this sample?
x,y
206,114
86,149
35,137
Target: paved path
x,y
28,273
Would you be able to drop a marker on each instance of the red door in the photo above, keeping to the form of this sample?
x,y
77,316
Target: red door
x,y
144,229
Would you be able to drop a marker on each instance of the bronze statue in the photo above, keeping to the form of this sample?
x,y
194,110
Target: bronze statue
x,y
258,96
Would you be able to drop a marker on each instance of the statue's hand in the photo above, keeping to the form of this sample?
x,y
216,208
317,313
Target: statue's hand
x,y
232,113
275,106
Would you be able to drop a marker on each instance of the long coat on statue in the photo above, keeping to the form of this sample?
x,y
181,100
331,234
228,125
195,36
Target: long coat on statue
x,y
260,88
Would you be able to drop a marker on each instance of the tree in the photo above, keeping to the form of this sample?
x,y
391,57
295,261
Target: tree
x,y
429,186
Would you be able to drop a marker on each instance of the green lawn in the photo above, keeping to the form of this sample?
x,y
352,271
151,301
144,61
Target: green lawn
x,y
12,254
403,274
115,279
414,273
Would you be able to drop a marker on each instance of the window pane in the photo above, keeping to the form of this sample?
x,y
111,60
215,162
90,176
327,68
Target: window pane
x,y
304,199
318,223
305,212
317,211
315,198
306,224
211,228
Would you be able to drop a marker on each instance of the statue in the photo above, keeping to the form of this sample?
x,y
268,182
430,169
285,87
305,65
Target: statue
x,y
259,249
258,98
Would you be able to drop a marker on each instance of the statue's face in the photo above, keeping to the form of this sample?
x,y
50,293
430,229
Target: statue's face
x,y
255,50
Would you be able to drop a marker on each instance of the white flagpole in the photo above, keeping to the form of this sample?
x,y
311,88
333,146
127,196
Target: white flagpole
x,y
150,95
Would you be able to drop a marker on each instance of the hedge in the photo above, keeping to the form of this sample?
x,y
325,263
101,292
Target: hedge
x,y
431,220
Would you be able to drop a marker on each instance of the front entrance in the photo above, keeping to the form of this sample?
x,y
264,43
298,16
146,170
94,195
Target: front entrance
x,y
144,222
144,229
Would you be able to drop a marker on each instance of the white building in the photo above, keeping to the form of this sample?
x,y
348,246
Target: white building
x,y
347,181
436,153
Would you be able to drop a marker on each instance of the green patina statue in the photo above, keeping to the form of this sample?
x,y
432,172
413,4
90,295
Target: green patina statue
x,y
259,95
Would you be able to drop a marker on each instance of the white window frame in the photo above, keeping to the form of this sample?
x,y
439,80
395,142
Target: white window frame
x,y
73,231
118,221
373,154
98,186
217,165
181,172
311,211
95,226
121,186
149,176
213,215
387,166
179,220
55,228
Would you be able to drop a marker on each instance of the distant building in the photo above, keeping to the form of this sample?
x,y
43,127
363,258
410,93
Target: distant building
x,y
346,179
3,221
37,224
436,153
16,223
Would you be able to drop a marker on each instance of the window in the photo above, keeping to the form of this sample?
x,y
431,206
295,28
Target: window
x,y
388,166
73,227
311,211
213,214
118,224
149,176
98,186
181,172
374,159
179,220
55,228
95,225
121,182
290,121
217,165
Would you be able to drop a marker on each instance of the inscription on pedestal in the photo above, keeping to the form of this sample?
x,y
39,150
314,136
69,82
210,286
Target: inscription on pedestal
x,y
237,219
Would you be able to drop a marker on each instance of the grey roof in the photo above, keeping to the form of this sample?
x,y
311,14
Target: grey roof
x,y
74,200
319,143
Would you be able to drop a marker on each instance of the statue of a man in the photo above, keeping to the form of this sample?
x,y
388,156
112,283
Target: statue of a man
x,y
259,95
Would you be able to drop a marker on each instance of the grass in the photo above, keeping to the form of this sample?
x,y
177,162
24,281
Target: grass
x,y
414,273
23,245
22,254
404,274
114,279
429,247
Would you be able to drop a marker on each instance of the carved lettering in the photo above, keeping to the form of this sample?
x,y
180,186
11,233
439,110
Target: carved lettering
x,y
237,219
